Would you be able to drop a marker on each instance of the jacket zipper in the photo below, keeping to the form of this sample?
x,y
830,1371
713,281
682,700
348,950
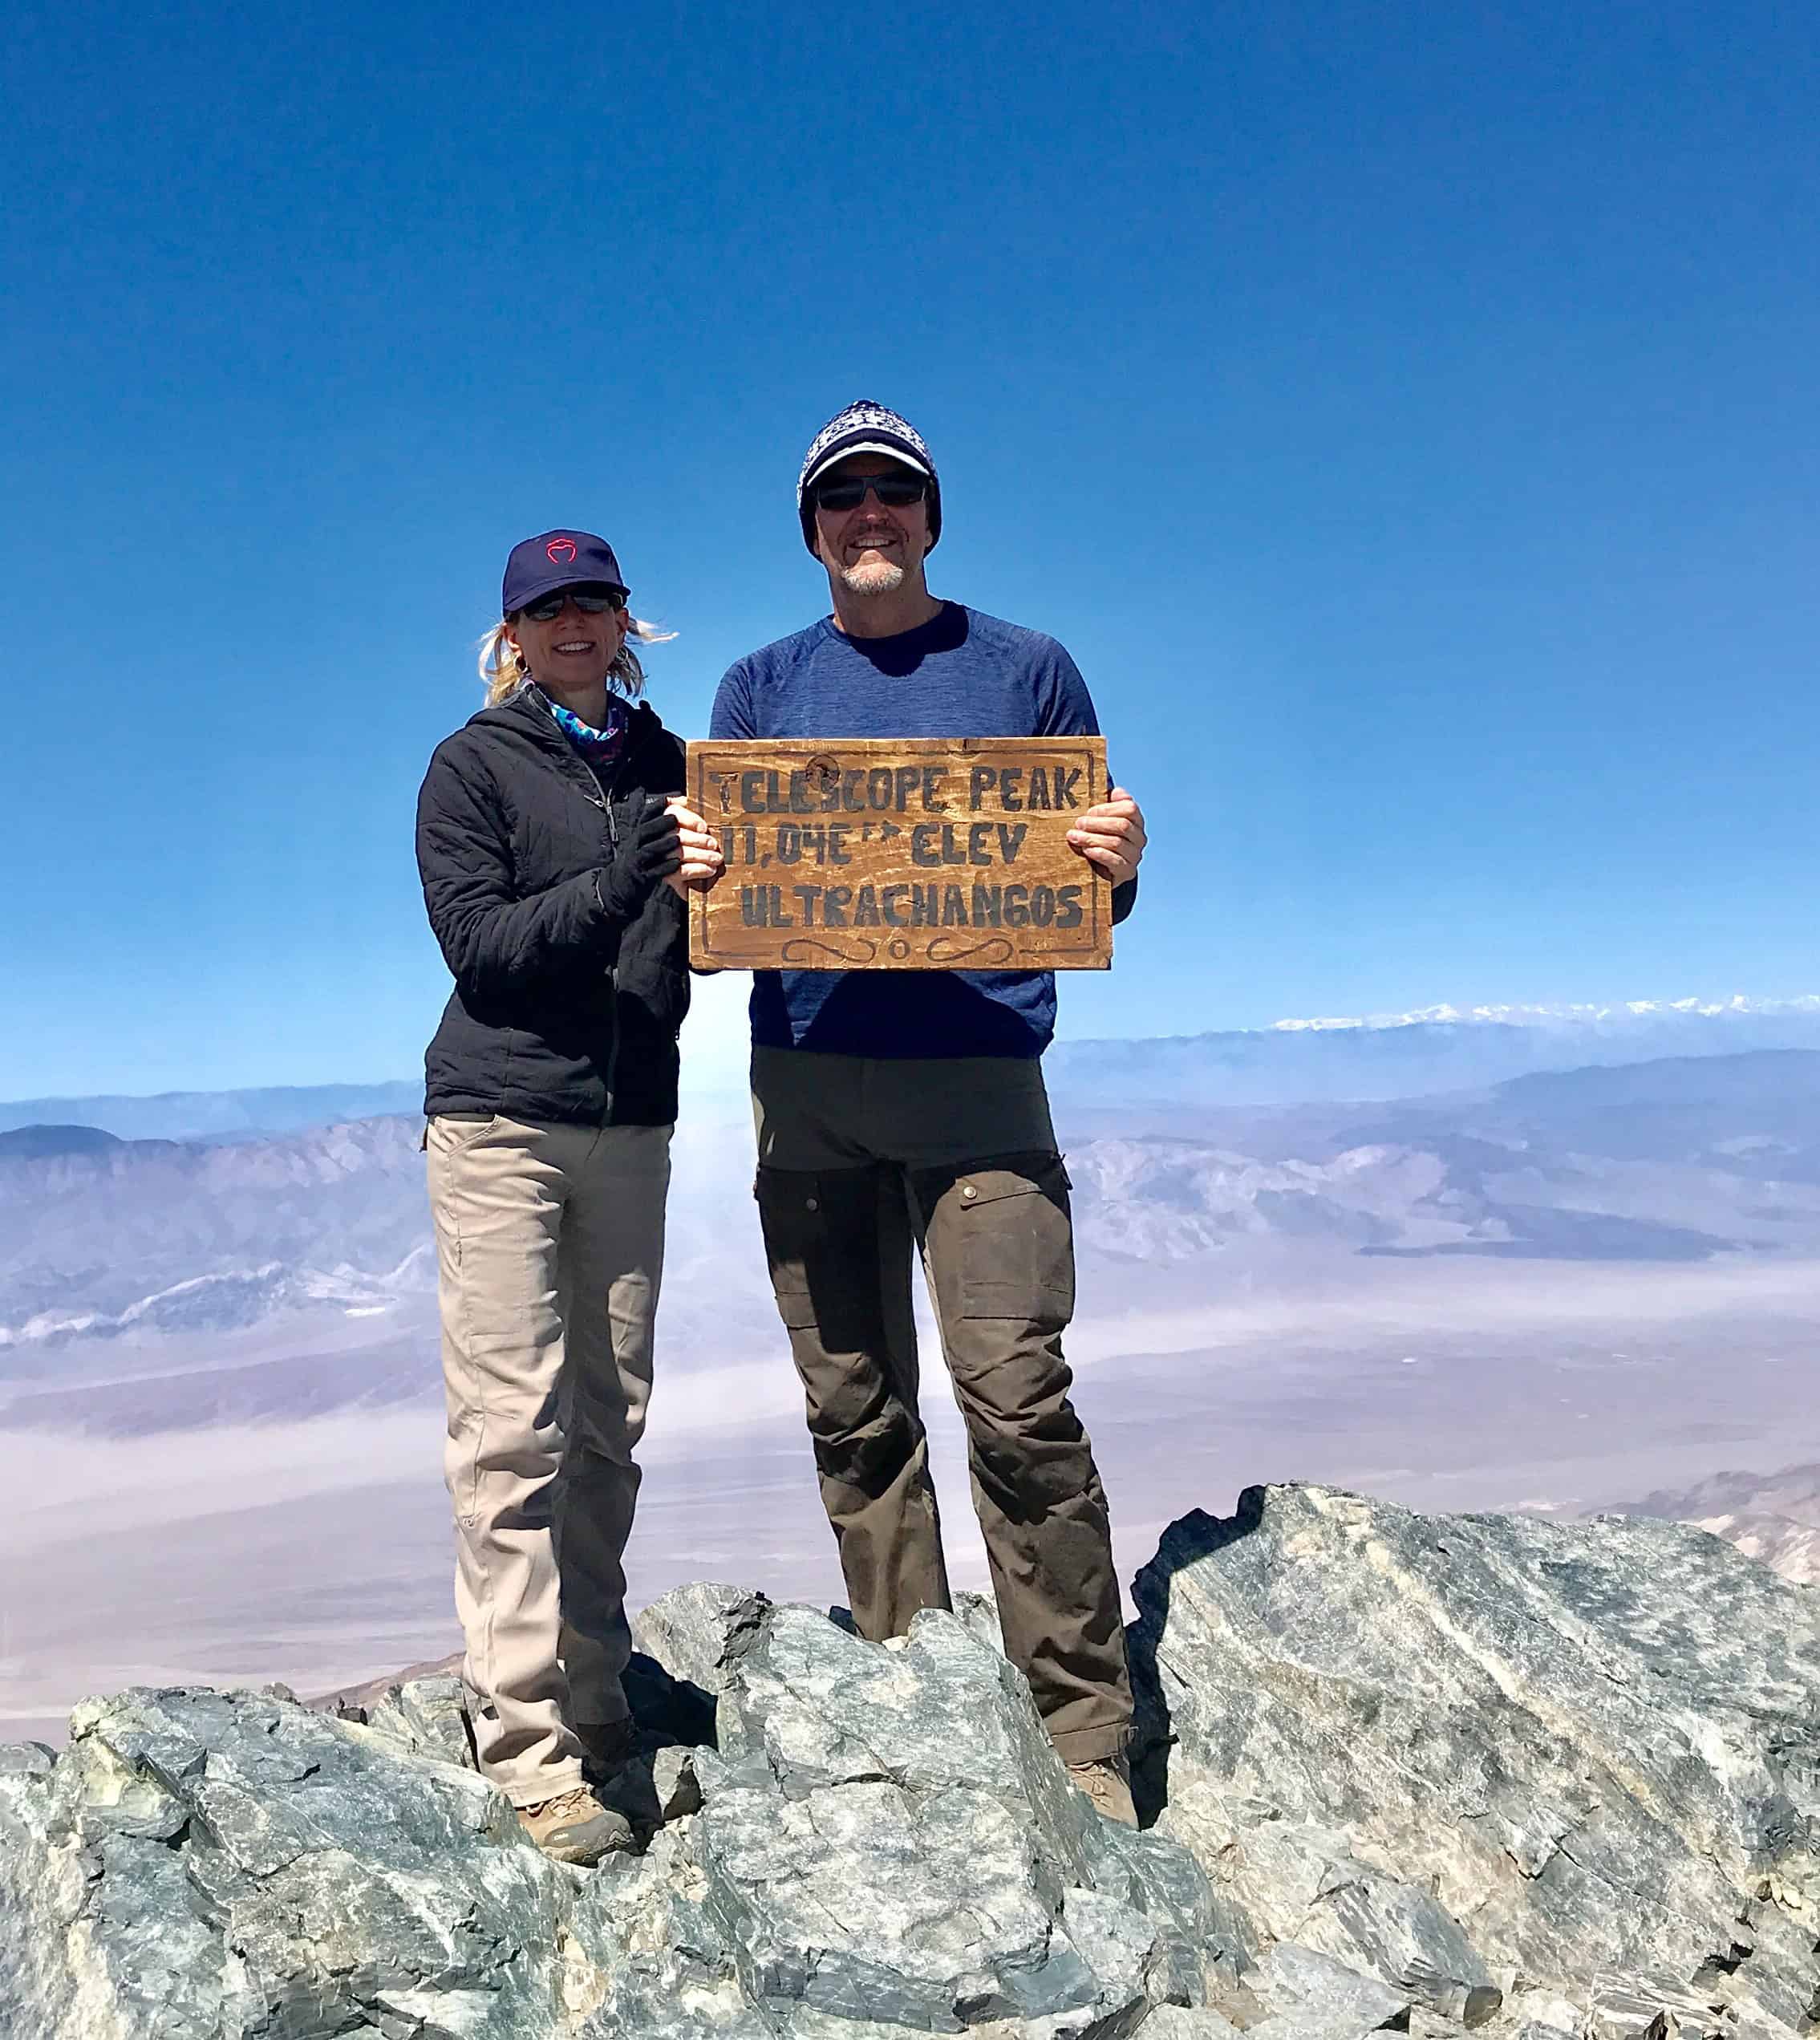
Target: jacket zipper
x,y
612,968
624,766
601,797
591,787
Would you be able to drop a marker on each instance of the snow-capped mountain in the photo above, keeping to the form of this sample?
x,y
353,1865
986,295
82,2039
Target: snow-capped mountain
x,y
1613,1019
1409,1055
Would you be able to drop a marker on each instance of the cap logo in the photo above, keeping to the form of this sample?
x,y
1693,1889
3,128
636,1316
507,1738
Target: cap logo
x,y
560,551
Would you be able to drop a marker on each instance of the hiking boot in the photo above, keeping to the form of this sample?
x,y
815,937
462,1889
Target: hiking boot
x,y
575,1827
1107,1782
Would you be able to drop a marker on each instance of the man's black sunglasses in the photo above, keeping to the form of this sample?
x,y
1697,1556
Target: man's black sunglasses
x,y
590,601
895,492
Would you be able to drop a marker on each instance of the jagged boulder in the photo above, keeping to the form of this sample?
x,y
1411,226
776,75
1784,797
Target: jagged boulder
x,y
887,1837
1415,1776
422,1717
885,1841
199,1864
694,1631
1449,1749
1301,1885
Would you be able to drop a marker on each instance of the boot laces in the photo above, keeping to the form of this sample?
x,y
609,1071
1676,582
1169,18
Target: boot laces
x,y
576,1805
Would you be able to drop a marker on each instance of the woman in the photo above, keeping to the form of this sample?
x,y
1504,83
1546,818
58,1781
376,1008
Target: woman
x,y
554,859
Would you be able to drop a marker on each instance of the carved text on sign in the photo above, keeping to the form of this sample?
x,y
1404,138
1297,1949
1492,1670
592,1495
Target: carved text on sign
x,y
911,854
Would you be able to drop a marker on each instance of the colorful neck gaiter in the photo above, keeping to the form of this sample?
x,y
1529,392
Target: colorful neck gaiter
x,y
599,747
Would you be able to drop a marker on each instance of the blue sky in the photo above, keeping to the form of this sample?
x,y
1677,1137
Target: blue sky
x,y
1406,416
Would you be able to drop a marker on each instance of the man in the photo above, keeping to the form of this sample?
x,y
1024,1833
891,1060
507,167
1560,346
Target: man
x,y
898,1109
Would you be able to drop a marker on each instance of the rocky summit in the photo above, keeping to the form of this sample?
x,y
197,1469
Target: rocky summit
x,y
1421,1775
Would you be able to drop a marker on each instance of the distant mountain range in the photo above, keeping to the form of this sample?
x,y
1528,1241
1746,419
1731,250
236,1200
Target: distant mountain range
x,y
1295,1061
1774,1517
217,1115
1677,1160
100,1235
281,1266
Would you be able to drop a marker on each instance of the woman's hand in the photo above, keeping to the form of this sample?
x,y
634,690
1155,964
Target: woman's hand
x,y
703,862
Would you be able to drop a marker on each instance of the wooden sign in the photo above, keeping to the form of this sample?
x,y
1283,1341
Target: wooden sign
x,y
917,854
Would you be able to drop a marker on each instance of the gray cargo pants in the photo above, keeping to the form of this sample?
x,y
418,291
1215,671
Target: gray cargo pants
x,y
861,1160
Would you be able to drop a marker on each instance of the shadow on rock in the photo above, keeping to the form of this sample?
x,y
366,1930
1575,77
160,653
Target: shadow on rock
x,y
1186,1542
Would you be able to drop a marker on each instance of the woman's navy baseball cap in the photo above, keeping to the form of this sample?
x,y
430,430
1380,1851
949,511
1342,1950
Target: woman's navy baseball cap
x,y
556,559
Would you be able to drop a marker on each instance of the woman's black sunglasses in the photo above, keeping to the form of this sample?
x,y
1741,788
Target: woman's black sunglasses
x,y
895,492
590,601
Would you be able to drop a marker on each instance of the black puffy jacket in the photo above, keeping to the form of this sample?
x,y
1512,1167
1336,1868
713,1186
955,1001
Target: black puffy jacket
x,y
560,1011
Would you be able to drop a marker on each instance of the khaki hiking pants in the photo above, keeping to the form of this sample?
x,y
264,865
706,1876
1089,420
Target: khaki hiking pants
x,y
861,1161
549,1245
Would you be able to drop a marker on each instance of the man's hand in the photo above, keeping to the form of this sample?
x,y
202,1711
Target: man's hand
x,y
1111,836
703,862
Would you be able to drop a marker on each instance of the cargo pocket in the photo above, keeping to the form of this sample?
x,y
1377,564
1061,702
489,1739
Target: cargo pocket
x,y
1016,1240
790,1212
821,1243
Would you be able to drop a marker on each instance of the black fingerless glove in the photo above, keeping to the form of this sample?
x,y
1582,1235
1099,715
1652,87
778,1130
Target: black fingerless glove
x,y
647,855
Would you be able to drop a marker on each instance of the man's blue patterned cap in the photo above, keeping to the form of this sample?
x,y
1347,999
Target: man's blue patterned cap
x,y
867,427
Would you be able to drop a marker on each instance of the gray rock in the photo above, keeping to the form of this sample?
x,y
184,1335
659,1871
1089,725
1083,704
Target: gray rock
x,y
822,1708
1179,2022
1402,1936
1535,2015
665,1709
202,1864
646,1960
1299,1881
1306,1991
674,1785
1205,1939
654,1786
1596,1746
1411,1764
887,1841
1426,2025
425,1717
1642,2009
1117,1945
1342,1907
978,1615
1313,2023
44,1889
428,1717
691,1630
888,1844
890,1835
